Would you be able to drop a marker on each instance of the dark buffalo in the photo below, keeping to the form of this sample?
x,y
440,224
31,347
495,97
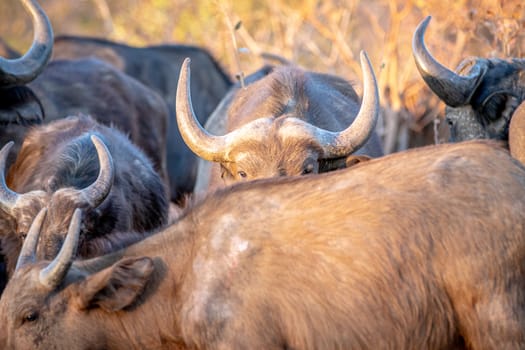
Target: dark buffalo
x,y
57,169
481,97
401,252
289,122
33,92
158,67
93,87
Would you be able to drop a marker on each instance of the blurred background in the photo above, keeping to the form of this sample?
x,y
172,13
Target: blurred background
x,y
324,36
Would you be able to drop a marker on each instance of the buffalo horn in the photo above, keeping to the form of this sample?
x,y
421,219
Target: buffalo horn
x,y
453,89
26,68
338,144
54,273
201,142
95,193
8,197
28,252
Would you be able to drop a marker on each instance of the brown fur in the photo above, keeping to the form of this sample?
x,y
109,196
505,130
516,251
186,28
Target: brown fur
x,y
428,253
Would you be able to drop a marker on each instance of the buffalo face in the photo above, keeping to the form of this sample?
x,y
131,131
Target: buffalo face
x,y
44,296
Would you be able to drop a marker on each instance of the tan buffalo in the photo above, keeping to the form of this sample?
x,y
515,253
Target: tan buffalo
x,y
423,249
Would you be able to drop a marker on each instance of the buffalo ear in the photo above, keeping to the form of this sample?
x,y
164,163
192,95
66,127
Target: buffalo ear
x,y
326,165
352,160
226,174
117,286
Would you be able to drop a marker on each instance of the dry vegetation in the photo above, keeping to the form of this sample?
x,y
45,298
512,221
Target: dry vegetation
x,y
324,36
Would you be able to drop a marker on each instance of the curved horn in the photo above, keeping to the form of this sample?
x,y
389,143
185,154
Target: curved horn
x,y
203,144
95,193
26,68
55,272
8,197
453,89
343,143
28,252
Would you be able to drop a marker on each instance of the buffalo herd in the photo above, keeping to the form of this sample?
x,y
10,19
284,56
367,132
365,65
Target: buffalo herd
x,y
148,201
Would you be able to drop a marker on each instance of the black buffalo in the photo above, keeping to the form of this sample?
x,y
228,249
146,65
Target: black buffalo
x,y
481,96
33,92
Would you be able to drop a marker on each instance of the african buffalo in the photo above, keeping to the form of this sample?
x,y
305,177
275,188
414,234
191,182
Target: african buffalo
x,y
109,96
57,169
33,92
92,87
400,252
290,122
481,97
158,67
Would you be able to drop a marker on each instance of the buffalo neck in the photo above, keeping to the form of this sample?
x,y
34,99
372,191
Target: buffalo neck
x,y
153,320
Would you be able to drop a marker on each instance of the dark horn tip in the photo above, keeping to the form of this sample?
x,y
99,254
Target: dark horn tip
x,y
424,24
417,39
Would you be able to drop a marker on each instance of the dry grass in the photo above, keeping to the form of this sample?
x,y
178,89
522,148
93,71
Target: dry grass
x,y
323,36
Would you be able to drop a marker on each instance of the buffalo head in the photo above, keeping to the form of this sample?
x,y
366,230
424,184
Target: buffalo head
x,y
55,290
280,136
481,97
46,278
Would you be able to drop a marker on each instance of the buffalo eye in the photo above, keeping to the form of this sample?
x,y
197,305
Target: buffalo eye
x,y
449,122
242,174
30,317
494,105
308,169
